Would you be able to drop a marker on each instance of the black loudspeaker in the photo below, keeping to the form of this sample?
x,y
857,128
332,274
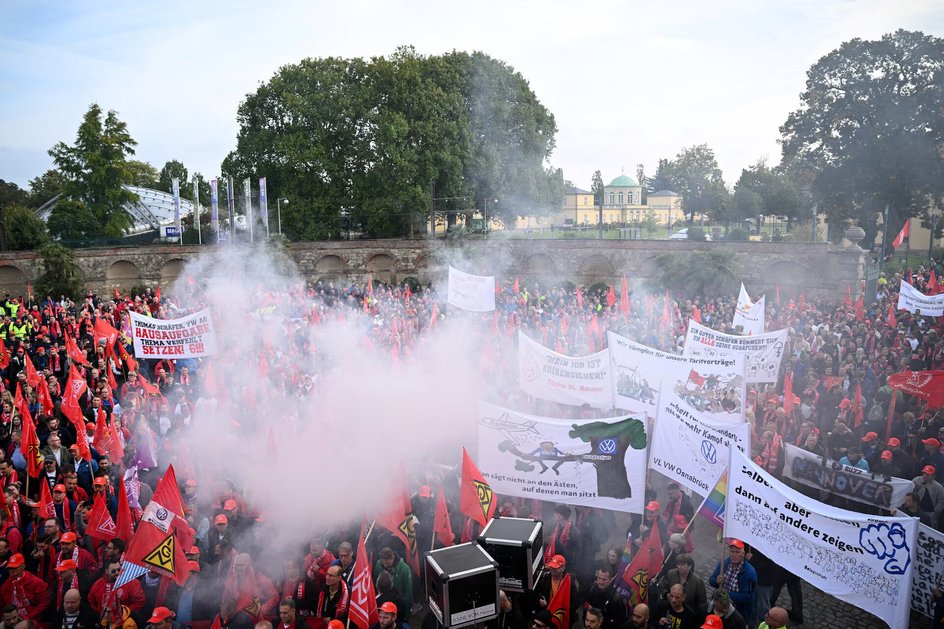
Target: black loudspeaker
x,y
517,545
462,585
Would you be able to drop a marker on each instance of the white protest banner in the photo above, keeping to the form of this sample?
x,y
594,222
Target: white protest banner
x,y
929,568
845,481
763,352
691,452
749,315
471,292
188,337
551,376
595,463
864,560
912,300
714,387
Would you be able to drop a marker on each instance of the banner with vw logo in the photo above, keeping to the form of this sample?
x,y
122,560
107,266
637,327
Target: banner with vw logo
x,y
590,462
689,450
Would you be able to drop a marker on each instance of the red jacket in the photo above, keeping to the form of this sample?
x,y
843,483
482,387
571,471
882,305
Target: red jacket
x,y
29,594
130,594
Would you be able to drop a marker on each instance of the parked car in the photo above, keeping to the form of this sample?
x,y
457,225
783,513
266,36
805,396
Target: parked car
x,y
682,234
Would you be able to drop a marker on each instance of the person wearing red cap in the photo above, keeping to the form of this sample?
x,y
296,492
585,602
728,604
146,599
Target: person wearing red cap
x,y
162,618
932,456
651,518
27,592
930,494
900,458
387,614
65,508
738,577
555,569
69,551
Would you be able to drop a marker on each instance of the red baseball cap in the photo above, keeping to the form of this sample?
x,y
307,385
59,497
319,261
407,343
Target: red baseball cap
x,y
870,437
929,469
893,442
221,519
713,622
194,550
425,491
160,614
557,561
886,455
388,607
16,561
68,538
653,506
229,505
191,482
100,480
736,542
68,564
59,487
335,624
931,442
193,566
89,426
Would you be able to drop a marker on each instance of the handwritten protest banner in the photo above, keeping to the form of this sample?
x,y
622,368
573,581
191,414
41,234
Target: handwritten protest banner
x,y
471,292
188,337
570,380
763,352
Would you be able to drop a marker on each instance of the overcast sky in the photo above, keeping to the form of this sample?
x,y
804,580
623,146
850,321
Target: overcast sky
x,y
628,82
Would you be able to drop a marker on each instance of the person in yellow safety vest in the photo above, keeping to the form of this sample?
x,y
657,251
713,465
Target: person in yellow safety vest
x,y
12,306
19,329
4,328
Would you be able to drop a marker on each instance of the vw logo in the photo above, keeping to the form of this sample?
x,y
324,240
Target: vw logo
x,y
607,446
709,451
162,514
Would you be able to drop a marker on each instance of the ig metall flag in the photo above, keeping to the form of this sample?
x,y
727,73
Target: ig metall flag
x,y
263,204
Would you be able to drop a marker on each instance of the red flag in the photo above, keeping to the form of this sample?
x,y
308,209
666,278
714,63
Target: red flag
x,y
398,519
102,436
559,605
933,287
127,358
99,522
157,294
624,298
105,332
904,233
579,299
409,293
516,288
891,415
32,376
610,296
363,611
788,393
891,320
4,355
696,314
370,286
860,308
645,565
163,535
802,300
149,388
29,441
47,509
442,527
476,498
857,406
45,400
847,300
434,316
117,294
927,385
116,451
72,349
124,527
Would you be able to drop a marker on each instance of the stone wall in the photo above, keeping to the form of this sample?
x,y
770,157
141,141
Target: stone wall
x,y
820,269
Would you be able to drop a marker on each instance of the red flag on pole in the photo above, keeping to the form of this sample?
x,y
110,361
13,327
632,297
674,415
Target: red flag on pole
x,y
163,535
100,525
149,388
398,519
927,385
515,287
4,355
696,314
105,332
857,405
45,400
476,498
847,300
47,508
579,299
624,298
933,287
891,320
904,233
124,527
788,393
559,605
442,527
32,376
645,566
363,611
75,354
860,308
610,296
29,441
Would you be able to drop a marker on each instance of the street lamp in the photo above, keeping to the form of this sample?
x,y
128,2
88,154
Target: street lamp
x,y
278,210
485,213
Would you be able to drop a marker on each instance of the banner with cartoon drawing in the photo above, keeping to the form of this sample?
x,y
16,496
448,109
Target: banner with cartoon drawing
x,y
762,352
861,559
570,380
690,451
590,462
713,388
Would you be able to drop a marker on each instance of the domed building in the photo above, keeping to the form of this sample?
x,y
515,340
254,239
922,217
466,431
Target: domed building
x,y
622,206
621,192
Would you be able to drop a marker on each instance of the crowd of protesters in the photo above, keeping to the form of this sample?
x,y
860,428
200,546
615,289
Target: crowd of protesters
x,y
55,572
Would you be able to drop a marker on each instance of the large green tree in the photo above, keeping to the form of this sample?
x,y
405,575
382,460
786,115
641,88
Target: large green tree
x,y
870,130
95,170
777,194
45,187
597,187
694,174
362,143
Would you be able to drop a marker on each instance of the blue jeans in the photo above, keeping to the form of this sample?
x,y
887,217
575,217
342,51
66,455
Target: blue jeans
x,y
762,604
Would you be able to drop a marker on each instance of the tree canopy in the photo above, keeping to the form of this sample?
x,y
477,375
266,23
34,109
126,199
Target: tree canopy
x,y
94,171
364,141
696,176
869,130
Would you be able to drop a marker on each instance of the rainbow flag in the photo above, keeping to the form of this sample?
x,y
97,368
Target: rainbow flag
x,y
713,506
